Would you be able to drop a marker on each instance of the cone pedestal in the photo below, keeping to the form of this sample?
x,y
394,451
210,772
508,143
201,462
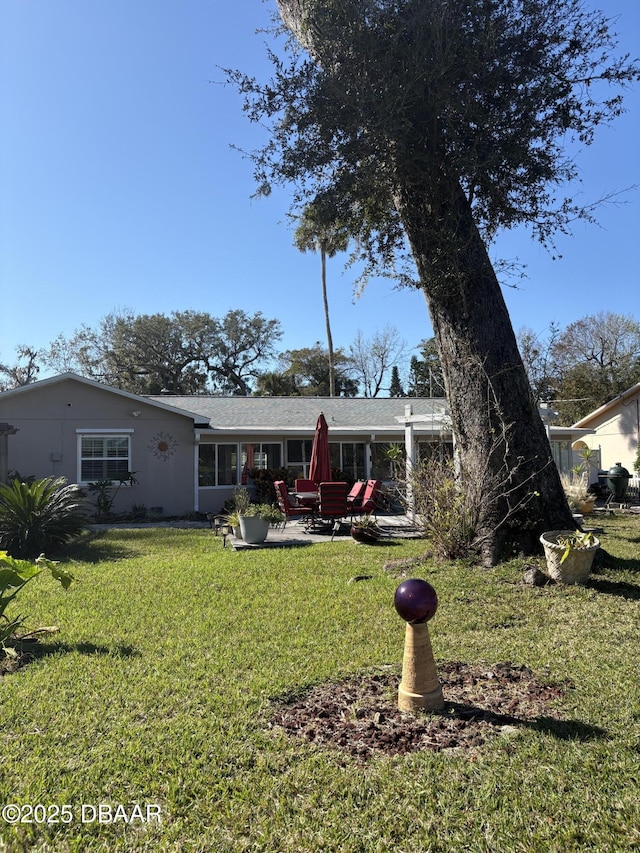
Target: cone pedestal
x,y
420,689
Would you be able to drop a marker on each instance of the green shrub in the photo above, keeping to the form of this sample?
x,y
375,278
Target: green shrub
x,y
14,574
40,516
445,510
106,492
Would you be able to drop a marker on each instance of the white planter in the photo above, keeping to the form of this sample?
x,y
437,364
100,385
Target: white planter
x,y
575,568
254,529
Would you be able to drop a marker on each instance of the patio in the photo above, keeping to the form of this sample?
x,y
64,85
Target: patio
x,y
294,534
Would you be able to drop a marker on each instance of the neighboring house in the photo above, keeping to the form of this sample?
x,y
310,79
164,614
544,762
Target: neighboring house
x,y
190,453
614,429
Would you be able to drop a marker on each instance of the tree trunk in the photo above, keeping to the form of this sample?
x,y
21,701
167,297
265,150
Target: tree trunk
x,y
332,370
499,435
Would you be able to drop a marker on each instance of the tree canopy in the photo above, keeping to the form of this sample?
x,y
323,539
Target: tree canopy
x,y
186,352
305,372
432,124
491,91
584,365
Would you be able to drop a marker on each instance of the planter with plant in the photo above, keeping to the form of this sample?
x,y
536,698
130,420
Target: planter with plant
x,y
365,530
256,520
569,554
237,506
233,520
576,490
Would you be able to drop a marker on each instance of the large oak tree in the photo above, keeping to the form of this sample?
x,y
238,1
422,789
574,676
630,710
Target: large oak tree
x,y
186,352
435,123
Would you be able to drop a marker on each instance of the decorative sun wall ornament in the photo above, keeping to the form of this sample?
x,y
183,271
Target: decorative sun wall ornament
x,y
163,445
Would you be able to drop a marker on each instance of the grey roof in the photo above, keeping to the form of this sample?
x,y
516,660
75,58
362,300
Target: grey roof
x,y
300,414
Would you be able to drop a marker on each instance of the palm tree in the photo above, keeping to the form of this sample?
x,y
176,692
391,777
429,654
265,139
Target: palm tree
x,y
318,232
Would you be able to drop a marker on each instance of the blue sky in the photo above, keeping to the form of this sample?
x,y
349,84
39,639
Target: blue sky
x,y
119,188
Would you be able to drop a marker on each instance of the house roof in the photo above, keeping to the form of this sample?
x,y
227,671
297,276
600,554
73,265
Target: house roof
x,y
630,392
300,414
64,377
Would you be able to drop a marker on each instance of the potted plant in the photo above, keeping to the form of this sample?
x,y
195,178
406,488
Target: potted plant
x,y
569,554
576,489
255,522
365,529
239,506
233,520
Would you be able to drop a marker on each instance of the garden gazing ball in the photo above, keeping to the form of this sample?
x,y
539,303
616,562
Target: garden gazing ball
x,y
416,601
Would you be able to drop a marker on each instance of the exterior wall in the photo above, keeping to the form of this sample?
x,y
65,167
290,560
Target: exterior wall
x,y
616,434
49,417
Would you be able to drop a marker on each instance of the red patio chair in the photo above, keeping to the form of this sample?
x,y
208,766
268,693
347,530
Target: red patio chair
x,y
370,499
332,504
354,498
308,486
289,510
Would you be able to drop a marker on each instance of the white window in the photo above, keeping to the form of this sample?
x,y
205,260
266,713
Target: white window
x,y
217,464
103,457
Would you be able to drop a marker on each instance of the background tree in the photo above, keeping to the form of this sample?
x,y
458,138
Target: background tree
x,y
273,383
537,356
425,375
440,122
318,231
395,388
308,368
186,352
596,358
584,365
24,371
240,346
372,358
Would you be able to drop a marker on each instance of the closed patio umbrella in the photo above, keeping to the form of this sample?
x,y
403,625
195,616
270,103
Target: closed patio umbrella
x,y
320,466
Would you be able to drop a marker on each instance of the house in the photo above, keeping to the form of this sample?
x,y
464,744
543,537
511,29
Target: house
x,y
614,429
189,454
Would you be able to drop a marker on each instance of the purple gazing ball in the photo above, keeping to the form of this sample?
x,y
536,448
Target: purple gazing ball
x,y
416,601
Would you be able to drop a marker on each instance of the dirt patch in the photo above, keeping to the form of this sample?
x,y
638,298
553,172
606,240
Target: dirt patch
x,y
360,716
13,662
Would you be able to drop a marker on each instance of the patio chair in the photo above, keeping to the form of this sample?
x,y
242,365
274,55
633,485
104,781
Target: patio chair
x,y
354,498
302,485
308,486
332,504
370,499
289,510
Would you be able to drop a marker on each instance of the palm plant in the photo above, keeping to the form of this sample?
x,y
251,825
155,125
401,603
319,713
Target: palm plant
x,y
318,231
36,517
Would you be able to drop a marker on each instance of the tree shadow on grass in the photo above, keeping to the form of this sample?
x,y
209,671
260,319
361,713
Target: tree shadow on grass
x,y
93,548
622,589
36,650
558,728
604,561
30,650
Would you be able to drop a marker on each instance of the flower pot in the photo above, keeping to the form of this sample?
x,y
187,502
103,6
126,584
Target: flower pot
x,y
367,535
254,529
585,507
576,566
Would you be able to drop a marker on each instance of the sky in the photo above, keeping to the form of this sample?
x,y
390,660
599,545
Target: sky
x,y
120,188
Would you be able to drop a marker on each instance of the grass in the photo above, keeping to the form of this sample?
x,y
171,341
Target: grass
x,y
158,688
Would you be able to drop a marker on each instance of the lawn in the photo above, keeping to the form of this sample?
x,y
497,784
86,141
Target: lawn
x,y
158,693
